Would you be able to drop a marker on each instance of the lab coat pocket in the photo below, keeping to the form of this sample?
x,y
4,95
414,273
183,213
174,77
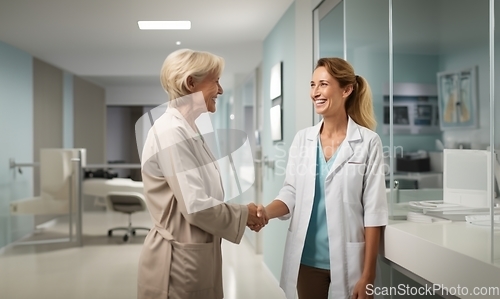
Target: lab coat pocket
x,y
355,173
192,268
355,262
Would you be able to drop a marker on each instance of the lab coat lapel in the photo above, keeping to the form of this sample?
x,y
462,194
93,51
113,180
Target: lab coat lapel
x,y
311,153
312,134
312,142
346,148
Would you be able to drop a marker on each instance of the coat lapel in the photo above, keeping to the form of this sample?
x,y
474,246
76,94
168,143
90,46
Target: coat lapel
x,y
312,142
198,138
312,134
214,161
346,148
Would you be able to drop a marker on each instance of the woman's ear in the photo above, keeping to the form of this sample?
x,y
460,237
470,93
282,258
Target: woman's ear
x,y
190,83
347,91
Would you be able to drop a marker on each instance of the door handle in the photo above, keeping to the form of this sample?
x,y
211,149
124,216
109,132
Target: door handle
x,y
269,163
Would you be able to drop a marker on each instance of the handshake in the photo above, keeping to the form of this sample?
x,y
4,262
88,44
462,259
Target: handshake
x,y
257,217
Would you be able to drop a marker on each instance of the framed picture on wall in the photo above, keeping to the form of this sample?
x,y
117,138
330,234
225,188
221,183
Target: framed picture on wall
x,y
457,99
276,82
276,120
276,96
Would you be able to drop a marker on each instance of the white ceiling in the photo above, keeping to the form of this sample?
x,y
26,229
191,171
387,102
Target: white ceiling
x,y
100,40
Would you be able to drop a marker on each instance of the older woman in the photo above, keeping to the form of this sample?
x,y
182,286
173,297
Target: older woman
x,y
181,256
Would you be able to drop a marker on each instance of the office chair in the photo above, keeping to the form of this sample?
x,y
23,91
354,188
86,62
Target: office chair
x,y
128,203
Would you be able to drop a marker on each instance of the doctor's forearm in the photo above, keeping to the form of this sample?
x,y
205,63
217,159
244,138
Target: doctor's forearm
x,y
372,240
276,208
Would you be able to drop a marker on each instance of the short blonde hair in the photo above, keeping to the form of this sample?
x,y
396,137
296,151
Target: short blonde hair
x,y
181,64
359,104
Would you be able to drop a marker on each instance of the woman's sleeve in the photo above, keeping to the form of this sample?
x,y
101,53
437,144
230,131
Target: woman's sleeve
x,y
288,191
374,195
181,168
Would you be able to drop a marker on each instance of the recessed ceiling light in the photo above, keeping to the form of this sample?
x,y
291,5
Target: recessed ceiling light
x,y
178,43
164,25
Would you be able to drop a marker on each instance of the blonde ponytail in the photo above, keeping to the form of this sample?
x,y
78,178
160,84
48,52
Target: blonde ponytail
x,y
359,105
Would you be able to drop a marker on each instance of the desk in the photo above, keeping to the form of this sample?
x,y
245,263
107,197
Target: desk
x,y
101,187
450,254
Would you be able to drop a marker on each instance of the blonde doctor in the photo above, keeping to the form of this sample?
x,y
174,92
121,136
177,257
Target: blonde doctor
x,y
334,191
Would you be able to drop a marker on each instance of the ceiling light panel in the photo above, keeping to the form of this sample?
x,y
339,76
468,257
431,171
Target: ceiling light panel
x,y
164,25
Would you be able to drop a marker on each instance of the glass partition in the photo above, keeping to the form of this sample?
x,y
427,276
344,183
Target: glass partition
x,y
368,50
442,101
430,67
367,45
495,124
330,17
416,129
328,33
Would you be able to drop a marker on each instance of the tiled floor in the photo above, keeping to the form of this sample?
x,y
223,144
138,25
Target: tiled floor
x,y
106,268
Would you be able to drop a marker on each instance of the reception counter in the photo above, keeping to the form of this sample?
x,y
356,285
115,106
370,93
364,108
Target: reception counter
x,y
455,255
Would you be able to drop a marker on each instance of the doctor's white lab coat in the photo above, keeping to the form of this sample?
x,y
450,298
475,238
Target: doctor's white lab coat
x,y
354,199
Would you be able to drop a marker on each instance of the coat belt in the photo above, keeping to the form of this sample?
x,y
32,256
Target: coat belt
x,y
164,233
169,238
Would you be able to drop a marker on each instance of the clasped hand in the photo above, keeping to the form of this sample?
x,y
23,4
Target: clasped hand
x,y
257,217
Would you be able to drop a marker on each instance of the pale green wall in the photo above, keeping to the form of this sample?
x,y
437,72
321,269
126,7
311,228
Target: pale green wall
x,y
278,46
16,133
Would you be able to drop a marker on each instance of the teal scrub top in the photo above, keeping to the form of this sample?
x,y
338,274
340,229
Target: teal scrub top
x,y
316,249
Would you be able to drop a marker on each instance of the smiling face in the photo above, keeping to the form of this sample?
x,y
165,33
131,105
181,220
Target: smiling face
x,y
327,95
210,88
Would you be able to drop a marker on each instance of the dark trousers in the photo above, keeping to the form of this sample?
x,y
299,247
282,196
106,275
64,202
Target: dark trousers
x,y
313,283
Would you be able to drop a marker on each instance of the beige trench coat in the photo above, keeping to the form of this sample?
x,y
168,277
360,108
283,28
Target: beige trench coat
x,y
181,256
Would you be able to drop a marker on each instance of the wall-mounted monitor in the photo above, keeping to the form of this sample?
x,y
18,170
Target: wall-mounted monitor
x,y
412,115
415,109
